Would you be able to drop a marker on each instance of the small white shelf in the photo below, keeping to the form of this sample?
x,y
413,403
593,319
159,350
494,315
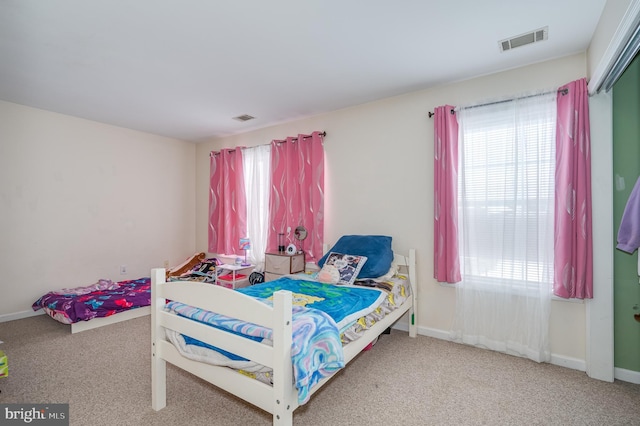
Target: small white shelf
x,y
233,270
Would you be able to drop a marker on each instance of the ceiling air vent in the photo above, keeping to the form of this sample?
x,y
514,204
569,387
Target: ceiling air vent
x,y
245,117
524,39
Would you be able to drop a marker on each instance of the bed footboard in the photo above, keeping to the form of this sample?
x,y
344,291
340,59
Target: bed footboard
x,y
281,399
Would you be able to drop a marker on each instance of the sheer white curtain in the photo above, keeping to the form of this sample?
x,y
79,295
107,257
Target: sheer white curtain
x,y
257,178
506,216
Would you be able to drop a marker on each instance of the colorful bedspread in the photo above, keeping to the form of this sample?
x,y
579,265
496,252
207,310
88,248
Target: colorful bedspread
x,y
319,312
343,303
73,307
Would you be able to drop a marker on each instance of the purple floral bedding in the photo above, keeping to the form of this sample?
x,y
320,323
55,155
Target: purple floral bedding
x,y
74,306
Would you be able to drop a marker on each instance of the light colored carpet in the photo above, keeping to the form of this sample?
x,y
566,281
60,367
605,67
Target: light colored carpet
x,y
105,376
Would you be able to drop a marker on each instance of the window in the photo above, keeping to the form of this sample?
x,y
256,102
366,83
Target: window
x,y
262,191
257,181
506,192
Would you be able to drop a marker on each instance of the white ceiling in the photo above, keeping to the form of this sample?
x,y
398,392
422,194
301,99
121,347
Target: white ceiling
x,y
184,69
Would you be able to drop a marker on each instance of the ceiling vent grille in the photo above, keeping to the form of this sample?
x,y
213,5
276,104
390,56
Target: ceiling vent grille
x,y
245,117
524,39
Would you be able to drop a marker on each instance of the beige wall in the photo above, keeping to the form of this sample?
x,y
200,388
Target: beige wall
x,y
79,198
379,179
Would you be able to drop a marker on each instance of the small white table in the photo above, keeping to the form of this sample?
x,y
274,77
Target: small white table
x,y
233,281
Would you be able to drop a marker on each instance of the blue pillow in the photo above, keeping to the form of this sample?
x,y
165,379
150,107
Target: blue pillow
x,y
377,249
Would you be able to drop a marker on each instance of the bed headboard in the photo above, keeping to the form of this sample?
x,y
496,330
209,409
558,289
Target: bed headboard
x,y
408,261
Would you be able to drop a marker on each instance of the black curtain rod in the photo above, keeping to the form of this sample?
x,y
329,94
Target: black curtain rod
x,y
561,91
323,134
431,114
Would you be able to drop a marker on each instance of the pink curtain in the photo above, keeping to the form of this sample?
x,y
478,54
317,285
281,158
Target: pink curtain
x,y
573,267
297,192
445,224
227,202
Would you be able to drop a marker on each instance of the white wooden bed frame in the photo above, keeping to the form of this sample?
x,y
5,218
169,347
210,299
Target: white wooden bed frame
x,y
281,399
79,326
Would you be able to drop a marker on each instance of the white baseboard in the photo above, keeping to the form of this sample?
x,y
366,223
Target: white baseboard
x,y
563,361
572,363
434,332
627,375
20,315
